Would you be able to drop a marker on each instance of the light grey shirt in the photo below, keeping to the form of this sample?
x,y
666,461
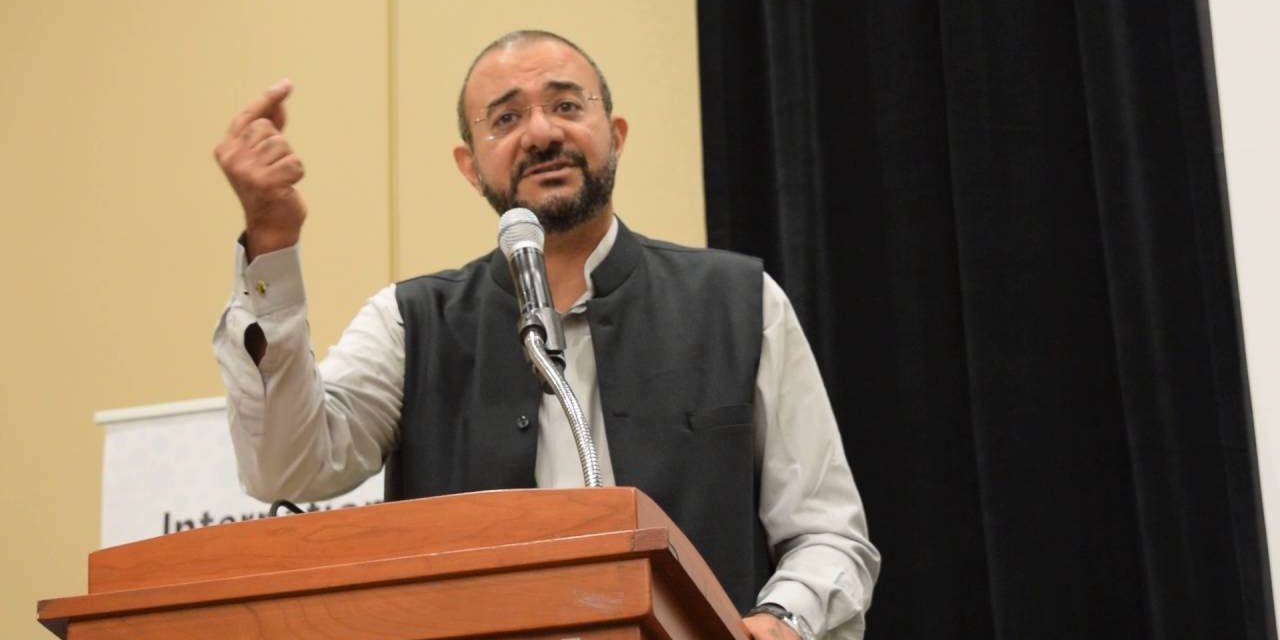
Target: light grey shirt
x,y
307,431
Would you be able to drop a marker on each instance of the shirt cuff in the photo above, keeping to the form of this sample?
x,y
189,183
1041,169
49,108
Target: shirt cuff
x,y
798,599
273,281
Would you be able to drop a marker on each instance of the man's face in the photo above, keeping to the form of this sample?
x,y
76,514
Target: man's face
x,y
559,157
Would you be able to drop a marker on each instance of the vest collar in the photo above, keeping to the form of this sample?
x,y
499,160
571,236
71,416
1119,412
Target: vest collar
x,y
609,275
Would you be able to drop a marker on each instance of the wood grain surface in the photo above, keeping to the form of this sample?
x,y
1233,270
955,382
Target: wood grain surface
x,y
498,605
394,529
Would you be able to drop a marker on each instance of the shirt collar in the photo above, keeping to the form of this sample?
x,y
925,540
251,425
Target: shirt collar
x,y
596,257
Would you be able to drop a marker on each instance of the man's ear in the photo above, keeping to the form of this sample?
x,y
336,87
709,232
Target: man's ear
x,y
619,133
466,161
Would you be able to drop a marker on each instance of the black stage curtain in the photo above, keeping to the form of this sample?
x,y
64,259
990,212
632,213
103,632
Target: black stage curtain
x,y
1003,226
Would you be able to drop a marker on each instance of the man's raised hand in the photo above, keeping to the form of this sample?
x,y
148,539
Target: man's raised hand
x,y
263,169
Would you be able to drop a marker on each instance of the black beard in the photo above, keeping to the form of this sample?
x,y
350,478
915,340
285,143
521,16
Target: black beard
x,y
565,213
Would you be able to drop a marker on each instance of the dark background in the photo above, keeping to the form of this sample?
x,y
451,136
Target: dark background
x,y
1004,227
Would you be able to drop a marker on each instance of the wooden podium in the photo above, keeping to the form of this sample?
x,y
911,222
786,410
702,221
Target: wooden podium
x,y
549,564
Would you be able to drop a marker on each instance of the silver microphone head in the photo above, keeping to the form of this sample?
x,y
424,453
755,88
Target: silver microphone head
x,y
518,228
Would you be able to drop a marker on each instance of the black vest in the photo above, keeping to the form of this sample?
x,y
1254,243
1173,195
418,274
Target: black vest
x,y
676,334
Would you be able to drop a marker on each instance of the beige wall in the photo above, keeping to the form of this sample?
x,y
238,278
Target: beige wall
x,y
118,226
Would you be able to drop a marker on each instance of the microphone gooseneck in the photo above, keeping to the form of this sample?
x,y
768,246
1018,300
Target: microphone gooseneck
x,y
553,378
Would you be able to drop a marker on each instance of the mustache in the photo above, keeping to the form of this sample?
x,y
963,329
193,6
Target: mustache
x,y
548,155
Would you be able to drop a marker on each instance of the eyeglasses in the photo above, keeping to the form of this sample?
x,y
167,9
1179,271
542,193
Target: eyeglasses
x,y
505,119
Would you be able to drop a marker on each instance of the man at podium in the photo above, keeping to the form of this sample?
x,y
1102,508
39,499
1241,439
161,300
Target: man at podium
x,y
690,365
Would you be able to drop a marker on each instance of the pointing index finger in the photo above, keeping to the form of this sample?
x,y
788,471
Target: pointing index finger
x,y
269,105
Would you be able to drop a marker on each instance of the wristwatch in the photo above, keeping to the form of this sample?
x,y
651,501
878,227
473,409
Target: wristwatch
x,y
792,620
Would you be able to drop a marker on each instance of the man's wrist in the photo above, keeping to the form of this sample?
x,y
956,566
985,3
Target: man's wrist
x,y
795,622
260,242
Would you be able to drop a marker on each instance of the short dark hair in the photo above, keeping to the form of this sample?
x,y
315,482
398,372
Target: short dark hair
x,y
526,35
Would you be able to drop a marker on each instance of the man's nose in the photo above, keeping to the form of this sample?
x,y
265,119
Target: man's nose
x,y
541,131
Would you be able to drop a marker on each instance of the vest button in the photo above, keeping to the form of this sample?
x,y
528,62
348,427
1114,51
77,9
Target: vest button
x,y
522,422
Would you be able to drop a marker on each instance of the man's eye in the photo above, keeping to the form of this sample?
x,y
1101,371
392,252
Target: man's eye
x,y
567,106
505,119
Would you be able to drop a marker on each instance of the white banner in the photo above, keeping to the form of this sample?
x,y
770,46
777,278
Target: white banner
x,y
170,467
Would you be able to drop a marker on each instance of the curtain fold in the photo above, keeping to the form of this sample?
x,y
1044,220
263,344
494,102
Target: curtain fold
x,y
1003,228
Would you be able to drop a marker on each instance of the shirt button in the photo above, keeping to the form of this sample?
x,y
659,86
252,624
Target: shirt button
x,y
262,288
522,422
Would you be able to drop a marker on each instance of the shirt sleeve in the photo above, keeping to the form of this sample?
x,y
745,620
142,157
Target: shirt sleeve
x,y
303,431
809,505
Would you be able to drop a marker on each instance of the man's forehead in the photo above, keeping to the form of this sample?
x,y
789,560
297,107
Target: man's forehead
x,y
527,66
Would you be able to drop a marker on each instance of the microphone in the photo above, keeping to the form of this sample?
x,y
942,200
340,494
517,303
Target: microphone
x,y
520,236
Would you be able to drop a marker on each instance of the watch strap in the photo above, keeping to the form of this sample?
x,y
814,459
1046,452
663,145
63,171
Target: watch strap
x,y
795,622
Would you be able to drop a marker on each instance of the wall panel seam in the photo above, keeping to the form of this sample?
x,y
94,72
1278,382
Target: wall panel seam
x,y
393,148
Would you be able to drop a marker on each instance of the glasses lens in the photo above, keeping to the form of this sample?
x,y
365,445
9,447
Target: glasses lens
x,y
507,119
